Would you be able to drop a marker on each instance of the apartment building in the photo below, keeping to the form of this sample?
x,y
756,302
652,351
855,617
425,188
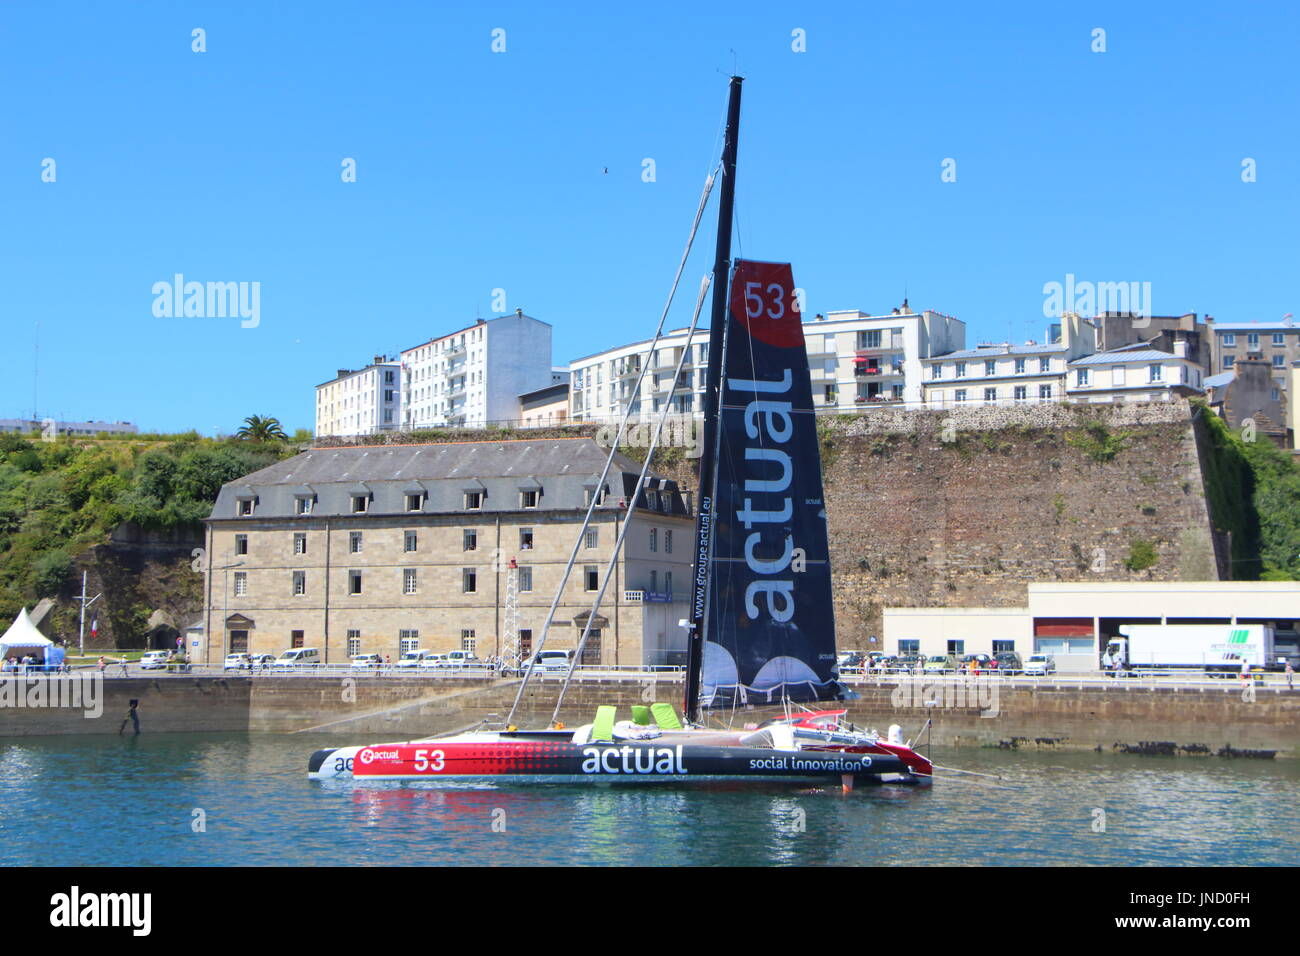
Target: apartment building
x,y
1135,373
386,549
361,401
50,426
854,358
475,375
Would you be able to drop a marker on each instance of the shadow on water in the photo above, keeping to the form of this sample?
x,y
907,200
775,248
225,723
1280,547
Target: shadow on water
x,y
235,799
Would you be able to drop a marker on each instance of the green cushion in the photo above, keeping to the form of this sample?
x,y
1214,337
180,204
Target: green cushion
x,y
665,717
603,727
640,714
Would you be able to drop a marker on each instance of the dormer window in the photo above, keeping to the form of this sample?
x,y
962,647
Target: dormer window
x,y
528,498
302,504
245,506
473,501
415,501
360,504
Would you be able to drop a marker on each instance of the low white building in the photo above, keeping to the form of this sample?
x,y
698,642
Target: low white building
x,y
854,359
1072,621
475,375
1135,373
360,401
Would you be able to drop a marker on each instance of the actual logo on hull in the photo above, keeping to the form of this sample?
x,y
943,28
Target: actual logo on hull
x,y
632,760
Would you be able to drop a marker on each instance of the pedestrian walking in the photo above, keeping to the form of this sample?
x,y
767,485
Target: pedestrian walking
x,y
1290,676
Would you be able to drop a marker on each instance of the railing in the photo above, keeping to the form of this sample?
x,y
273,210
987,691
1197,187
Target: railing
x,y
1126,680
478,671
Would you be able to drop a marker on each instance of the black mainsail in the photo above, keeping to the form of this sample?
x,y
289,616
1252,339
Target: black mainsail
x,y
762,626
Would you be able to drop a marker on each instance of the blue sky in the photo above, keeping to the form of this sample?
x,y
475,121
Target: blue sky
x,y
479,170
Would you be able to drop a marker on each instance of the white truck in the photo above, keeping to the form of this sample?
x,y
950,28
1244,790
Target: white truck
x,y
1211,647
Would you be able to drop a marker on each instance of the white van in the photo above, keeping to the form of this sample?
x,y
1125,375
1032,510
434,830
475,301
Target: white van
x,y
299,657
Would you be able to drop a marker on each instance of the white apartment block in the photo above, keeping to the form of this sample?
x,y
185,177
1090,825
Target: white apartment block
x,y
475,375
1135,373
360,402
1006,374
854,358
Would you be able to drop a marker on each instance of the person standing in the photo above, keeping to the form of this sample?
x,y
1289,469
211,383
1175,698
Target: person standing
x,y
1290,676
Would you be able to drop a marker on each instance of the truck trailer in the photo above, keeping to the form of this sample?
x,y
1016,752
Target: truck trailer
x,y
1211,647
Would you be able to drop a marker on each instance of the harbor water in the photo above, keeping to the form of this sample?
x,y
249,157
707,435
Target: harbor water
x,y
225,799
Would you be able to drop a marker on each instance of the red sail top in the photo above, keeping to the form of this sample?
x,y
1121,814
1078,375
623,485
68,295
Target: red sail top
x,y
764,302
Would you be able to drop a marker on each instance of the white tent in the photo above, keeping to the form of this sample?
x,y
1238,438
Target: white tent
x,y
23,634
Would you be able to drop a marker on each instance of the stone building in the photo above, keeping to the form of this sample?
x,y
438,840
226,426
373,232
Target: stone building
x,y
386,549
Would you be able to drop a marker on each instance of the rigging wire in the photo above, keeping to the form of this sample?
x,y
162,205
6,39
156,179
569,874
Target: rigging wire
x,y
613,449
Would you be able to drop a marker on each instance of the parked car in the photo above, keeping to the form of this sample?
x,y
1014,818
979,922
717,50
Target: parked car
x,y
260,661
433,660
236,662
1040,665
412,658
153,661
851,661
1008,662
299,657
907,663
980,662
552,661
459,660
367,661
939,663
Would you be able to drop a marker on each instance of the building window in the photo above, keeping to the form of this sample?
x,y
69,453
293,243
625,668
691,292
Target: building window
x,y
467,641
359,503
410,541
1230,340
1021,393
1081,377
654,582
469,540
415,502
1117,375
1279,361
935,373
959,395
990,367
1275,396
1020,366
668,541
668,583
654,539
525,539
591,539
1044,365
299,583
246,506
525,579
303,505
1228,360
525,642
296,639
1155,373
591,578
961,370
408,581
354,582
1279,339
473,500
469,580
354,542
1252,340
600,498
354,643
300,543
528,498
1044,391
241,584
408,639
908,646
241,544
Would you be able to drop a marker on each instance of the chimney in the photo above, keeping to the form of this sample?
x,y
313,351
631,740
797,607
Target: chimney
x,y
519,312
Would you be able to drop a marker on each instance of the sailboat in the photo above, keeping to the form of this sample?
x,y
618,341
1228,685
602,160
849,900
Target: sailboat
x,y
762,627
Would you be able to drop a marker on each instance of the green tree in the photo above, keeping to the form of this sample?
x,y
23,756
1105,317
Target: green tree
x,y
257,428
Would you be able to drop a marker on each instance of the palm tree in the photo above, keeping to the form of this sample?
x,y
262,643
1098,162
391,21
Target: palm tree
x,y
257,428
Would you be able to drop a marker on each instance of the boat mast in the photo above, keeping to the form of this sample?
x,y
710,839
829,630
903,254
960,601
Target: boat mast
x,y
712,400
